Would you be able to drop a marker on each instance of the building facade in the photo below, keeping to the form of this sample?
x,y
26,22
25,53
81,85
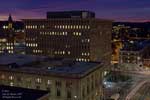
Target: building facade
x,y
135,52
76,35
64,80
9,32
6,42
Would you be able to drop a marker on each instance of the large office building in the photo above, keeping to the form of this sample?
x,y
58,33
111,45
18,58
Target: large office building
x,y
70,34
64,79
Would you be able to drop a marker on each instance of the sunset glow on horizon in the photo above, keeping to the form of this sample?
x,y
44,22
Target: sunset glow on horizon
x,y
117,10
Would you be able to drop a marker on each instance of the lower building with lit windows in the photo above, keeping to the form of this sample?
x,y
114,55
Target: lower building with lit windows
x,y
64,79
6,42
134,52
10,31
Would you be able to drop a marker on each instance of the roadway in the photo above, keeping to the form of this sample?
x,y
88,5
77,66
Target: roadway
x,y
143,93
140,78
134,90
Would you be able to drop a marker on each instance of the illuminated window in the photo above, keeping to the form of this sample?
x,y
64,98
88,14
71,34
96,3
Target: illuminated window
x,y
85,27
66,26
80,59
36,26
55,52
75,96
82,27
77,59
49,82
3,40
79,33
38,80
88,27
42,26
88,40
66,33
63,26
77,26
11,77
3,76
69,52
52,33
138,58
63,52
5,27
11,84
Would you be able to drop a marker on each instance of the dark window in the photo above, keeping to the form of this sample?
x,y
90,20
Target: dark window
x,y
68,84
58,83
83,92
48,89
88,89
68,94
19,79
58,93
37,87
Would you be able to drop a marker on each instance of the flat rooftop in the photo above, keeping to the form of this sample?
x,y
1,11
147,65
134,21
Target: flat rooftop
x,y
46,65
16,93
8,59
70,14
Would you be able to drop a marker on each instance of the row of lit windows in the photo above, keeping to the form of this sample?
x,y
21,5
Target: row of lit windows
x,y
85,40
58,26
34,26
1,51
37,51
31,39
32,44
49,82
38,80
10,51
72,26
19,30
9,48
85,90
3,40
85,54
53,33
60,33
82,59
77,33
5,27
9,44
60,52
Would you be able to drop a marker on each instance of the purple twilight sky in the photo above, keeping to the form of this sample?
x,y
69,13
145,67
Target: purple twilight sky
x,y
118,10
